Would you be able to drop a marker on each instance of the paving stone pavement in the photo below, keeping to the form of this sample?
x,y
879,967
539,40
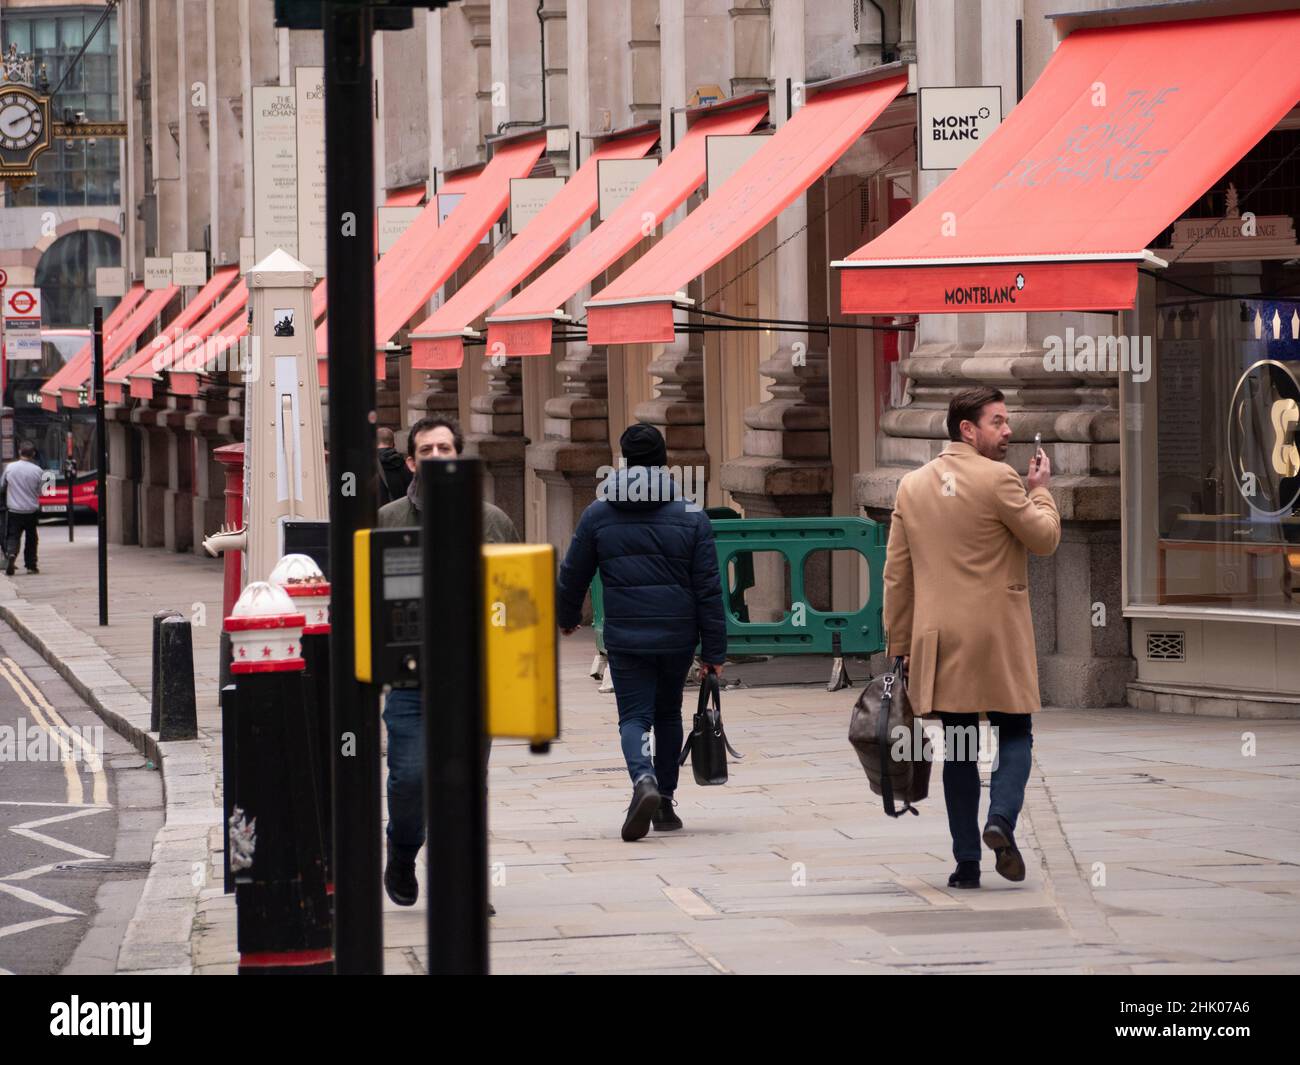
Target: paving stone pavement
x,y
1155,843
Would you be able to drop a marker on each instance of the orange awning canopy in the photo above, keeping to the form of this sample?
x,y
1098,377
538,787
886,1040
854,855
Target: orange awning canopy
x,y
427,254
186,350
1125,128
523,325
438,343
77,367
145,314
178,331
638,306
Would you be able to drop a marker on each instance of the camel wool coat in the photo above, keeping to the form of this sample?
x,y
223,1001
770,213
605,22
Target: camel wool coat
x,y
957,586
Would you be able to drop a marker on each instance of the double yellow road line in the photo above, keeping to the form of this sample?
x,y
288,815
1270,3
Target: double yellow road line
x,y
69,742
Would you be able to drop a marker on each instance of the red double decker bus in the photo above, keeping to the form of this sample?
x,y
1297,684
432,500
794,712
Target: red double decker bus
x,y
57,435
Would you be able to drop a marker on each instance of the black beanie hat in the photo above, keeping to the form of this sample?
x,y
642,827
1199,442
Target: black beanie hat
x,y
643,445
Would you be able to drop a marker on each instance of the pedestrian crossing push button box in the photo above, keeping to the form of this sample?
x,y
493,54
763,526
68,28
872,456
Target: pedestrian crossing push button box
x,y
519,638
389,587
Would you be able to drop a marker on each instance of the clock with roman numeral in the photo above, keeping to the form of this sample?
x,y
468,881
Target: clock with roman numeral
x,y
24,129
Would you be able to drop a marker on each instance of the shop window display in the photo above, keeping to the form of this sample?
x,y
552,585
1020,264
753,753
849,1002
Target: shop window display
x,y
1214,483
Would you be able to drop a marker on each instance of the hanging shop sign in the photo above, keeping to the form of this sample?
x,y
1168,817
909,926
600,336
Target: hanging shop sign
x,y
275,170
157,272
953,122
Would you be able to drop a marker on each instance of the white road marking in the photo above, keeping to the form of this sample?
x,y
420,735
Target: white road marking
x,y
27,926
38,900
61,805
27,828
89,753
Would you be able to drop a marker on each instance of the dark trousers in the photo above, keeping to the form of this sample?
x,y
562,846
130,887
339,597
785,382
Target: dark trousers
x,y
961,776
404,719
22,526
648,689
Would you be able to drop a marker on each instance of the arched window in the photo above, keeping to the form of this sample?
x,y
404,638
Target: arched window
x,y
66,276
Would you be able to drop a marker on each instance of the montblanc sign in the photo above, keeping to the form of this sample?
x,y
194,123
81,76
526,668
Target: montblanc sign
x,y
953,122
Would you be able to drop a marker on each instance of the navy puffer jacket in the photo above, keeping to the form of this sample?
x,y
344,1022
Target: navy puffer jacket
x,y
658,565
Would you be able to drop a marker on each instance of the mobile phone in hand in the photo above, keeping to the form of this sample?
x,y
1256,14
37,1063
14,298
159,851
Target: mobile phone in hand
x,y
1038,443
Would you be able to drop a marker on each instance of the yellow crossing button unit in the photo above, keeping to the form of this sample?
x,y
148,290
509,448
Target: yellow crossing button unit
x,y
519,640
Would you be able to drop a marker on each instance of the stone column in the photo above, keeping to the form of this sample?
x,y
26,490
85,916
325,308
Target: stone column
x,y
121,483
225,117
496,435
785,470
690,57
166,179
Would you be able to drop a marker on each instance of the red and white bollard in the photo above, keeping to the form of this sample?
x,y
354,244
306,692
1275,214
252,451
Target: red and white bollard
x,y
305,584
273,834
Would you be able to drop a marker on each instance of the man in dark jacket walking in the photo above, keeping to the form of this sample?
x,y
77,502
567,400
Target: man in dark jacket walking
x,y
663,595
395,476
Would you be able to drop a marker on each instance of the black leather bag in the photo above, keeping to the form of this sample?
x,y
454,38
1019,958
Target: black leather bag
x,y
882,710
707,745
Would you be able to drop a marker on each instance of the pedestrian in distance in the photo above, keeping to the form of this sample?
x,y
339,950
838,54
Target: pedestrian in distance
x,y
663,596
21,484
394,473
440,439
957,609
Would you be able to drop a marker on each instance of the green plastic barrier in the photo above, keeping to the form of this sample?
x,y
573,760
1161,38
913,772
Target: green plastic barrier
x,y
803,629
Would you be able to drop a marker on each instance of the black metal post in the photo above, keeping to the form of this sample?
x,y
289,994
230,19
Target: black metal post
x,y
101,466
455,768
71,467
350,280
1020,60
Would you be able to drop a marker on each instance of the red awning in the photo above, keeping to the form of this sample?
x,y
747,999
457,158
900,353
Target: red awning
x,y
438,343
123,342
427,254
523,325
1125,128
199,307
75,369
184,351
638,306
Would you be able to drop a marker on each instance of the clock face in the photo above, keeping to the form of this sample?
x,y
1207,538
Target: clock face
x,y
22,120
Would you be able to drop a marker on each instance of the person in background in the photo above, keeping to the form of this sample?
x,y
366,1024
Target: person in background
x,y
430,438
663,595
395,475
21,484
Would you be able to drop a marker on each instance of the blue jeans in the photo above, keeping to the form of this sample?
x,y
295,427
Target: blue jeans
x,y
404,718
648,689
961,777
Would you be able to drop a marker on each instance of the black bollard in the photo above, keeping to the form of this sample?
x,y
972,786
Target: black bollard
x,y
229,769
177,714
272,829
155,694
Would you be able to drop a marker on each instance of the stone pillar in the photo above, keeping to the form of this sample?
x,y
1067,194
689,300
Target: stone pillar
x,y
496,435
178,500
121,484
785,470
168,188
194,120
154,474
479,16
224,123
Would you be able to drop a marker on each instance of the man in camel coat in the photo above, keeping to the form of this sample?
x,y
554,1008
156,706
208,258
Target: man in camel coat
x,y
957,609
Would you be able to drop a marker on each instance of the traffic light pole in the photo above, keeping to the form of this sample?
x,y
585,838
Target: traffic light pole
x,y
350,281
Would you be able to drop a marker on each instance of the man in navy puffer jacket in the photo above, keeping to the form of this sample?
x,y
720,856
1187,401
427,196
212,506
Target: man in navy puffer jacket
x,y
663,595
